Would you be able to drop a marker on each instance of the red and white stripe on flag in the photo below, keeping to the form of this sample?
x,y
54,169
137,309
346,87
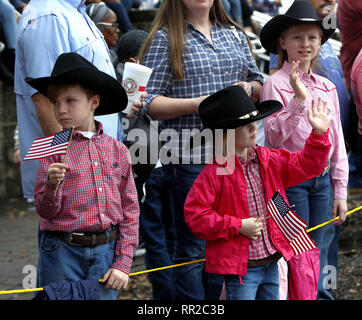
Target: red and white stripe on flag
x,y
290,224
49,145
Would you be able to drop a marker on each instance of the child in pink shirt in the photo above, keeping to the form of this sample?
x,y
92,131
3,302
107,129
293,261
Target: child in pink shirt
x,y
299,37
227,204
356,84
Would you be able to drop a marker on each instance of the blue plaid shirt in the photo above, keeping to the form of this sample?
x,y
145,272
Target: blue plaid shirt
x,y
208,67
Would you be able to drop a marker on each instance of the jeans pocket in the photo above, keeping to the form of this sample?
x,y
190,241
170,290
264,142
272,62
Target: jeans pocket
x,y
112,245
49,243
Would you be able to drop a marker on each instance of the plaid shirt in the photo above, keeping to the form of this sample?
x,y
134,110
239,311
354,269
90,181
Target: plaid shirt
x,y
98,191
262,247
208,67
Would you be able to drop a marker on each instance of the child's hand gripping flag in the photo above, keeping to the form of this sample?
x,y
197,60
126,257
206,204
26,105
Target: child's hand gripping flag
x,y
290,224
49,145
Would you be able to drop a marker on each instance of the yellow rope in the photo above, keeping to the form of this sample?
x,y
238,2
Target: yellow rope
x,y
336,218
21,291
175,265
167,267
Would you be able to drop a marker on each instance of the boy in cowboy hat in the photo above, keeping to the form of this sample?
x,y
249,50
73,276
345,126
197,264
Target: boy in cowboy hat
x,y
297,37
229,210
90,224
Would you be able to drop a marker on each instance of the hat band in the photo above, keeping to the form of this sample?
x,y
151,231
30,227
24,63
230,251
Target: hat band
x,y
308,19
251,114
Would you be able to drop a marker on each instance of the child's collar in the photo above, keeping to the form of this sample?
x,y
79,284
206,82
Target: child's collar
x,y
99,130
310,74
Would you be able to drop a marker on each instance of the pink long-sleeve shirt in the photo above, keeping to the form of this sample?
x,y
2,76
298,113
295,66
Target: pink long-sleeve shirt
x,y
356,83
289,128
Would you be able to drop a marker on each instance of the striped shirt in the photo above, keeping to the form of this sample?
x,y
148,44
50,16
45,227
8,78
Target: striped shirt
x,y
98,191
208,67
262,247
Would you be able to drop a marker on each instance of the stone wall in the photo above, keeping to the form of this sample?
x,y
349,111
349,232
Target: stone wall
x,y
142,19
10,182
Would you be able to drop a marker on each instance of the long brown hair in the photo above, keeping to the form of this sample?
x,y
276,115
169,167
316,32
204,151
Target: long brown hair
x,y
171,17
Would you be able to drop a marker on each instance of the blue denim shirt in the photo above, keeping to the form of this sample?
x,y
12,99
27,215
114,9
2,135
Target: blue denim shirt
x,y
47,29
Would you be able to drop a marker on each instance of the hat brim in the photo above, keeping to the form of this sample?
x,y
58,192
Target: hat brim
x,y
265,109
113,97
270,33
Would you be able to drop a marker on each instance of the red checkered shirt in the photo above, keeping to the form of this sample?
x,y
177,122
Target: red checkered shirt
x,y
262,247
98,191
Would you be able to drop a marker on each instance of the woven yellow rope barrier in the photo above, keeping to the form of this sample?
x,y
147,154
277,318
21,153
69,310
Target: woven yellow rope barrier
x,y
176,265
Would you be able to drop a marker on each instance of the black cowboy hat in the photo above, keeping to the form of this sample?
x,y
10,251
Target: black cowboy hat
x,y
231,108
300,12
74,68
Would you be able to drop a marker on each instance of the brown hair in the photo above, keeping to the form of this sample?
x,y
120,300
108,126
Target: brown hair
x,y
54,89
171,17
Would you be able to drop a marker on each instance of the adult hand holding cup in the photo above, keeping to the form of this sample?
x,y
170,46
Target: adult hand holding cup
x,y
134,81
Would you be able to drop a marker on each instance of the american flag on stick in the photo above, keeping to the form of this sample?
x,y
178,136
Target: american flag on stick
x,y
290,224
49,145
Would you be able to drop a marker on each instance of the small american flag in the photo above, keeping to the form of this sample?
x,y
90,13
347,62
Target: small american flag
x,y
290,224
49,145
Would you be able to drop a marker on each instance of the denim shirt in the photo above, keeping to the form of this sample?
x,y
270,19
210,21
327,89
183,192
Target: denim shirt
x,y
46,30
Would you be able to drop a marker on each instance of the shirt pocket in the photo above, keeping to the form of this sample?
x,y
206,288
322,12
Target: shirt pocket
x,y
197,63
113,172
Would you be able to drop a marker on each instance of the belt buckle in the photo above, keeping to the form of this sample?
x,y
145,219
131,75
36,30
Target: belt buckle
x,y
70,238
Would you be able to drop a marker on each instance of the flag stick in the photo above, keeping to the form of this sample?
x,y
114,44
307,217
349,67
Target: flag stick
x,y
66,152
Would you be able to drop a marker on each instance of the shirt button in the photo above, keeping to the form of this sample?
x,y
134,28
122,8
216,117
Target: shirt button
x,y
100,189
96,163
226,73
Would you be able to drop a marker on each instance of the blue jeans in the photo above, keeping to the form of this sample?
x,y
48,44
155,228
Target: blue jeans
x,y
234,10
358,156
312,200
260,283
158,234
8,23
121,11
355,165
189,279
59,261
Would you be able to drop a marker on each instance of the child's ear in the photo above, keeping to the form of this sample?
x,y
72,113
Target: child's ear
x,y
132,59
95,101
282,42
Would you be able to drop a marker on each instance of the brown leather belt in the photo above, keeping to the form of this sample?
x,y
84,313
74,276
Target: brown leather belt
x,y
267,260
85,239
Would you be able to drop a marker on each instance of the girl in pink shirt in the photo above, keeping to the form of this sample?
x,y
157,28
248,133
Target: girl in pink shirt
x,y
299,37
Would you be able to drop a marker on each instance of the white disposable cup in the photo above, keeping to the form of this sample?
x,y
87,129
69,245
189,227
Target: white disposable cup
x,y
134,81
